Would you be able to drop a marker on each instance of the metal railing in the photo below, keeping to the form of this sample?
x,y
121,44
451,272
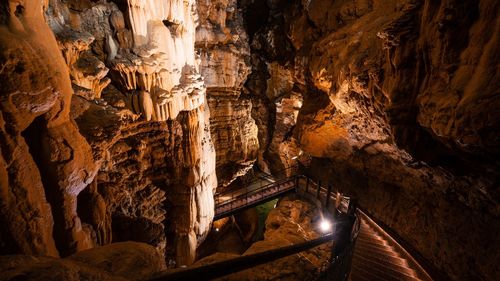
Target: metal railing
x,y
267,187
222,268
231,202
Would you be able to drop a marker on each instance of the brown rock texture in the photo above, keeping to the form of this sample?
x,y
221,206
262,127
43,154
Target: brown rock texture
x,y
120,261
399,109
224,52
157,161
275,86
291,222
119,119
138,164
46,160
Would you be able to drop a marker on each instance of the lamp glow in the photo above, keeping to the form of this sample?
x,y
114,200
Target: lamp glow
x,y
325,226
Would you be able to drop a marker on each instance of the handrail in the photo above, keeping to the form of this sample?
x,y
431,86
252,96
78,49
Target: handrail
x,y
236,196
266,176
222,268
252,192
280,188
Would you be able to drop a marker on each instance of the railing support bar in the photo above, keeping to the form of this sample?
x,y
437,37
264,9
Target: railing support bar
x,y
318,190
328,192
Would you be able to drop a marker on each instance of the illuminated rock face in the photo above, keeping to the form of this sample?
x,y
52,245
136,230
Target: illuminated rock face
x,y
86,70
160,72
395,100
163,74
146,138
224,53
44,158
160,75
392,92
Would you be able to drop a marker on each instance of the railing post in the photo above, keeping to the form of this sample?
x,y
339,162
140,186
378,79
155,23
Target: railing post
x,y
329,190
338,200
319,187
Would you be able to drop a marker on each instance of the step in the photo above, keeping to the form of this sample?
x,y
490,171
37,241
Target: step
x,y
363,273
388,264
383,273
396,260
389,252
372,245
377,274
372,240
370,235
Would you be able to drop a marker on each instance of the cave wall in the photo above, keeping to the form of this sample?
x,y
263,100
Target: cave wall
x,y
222,43
138,163
157,173
275,85
59,164
399,109
117,116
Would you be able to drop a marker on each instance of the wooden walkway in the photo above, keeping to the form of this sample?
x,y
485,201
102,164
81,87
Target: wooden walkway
x,y
266,188
379,257
234,201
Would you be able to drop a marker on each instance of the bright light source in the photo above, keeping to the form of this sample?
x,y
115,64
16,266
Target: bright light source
x,y
295,157
325,226
216,229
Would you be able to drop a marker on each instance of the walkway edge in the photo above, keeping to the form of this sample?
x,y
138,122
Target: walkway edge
x,y
222,268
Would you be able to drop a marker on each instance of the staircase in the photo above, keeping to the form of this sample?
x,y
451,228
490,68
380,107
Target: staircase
x,y
378,257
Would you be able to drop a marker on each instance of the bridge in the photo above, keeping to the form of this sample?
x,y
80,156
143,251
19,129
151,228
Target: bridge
x,y
258,192
266,187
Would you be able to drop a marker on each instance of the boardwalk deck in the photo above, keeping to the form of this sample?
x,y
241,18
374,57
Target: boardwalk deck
x,y
235,201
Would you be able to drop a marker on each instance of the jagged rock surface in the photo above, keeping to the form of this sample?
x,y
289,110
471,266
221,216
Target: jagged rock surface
x,y
391,96
275,86
146,166
224,52
396,100
289,223
120,261
45,160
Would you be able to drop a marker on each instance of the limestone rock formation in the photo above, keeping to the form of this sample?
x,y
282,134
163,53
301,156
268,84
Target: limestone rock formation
x,y
173,160
120,261
160,72
119,119
398,107
45,159
224,52
146,139
275,85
